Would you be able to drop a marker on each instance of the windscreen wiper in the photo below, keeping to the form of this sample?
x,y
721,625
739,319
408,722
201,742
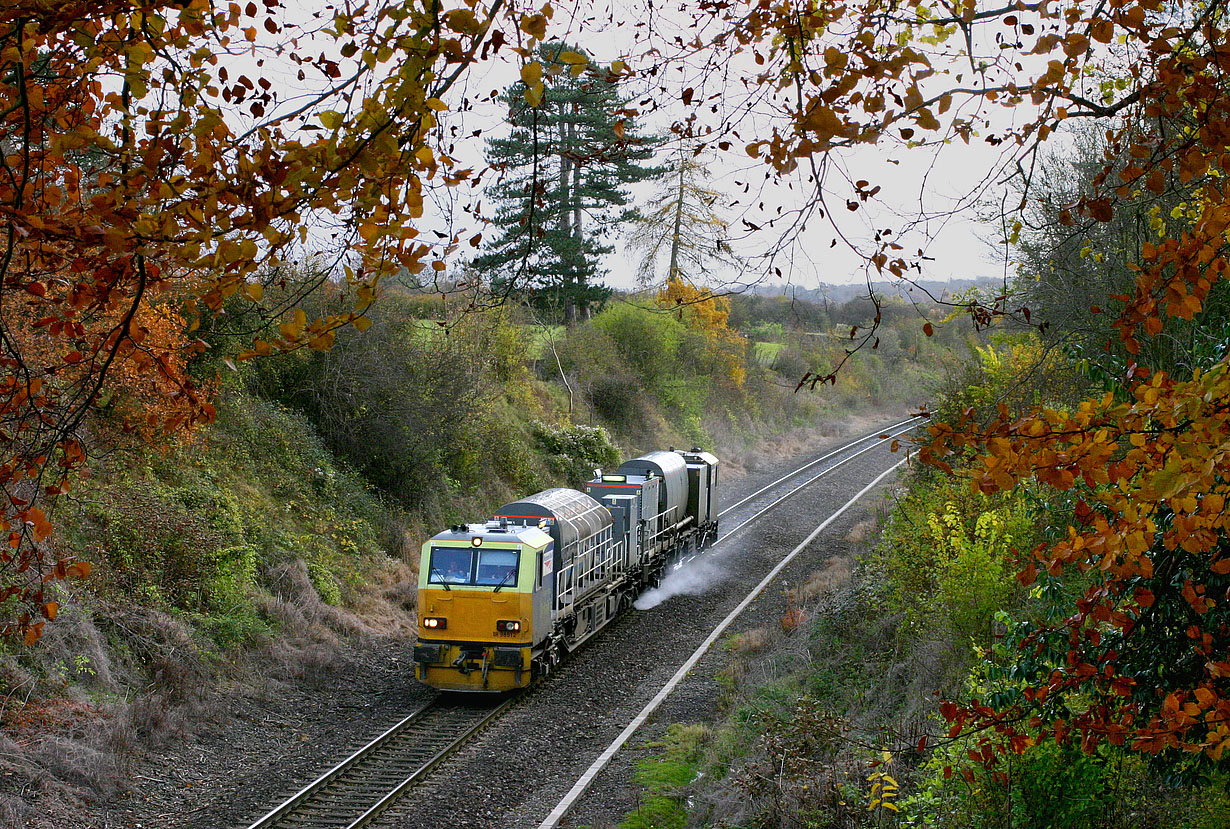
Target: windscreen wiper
x,y
441,575
504,580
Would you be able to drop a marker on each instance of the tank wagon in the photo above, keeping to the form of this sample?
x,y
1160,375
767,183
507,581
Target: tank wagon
x,y
504,601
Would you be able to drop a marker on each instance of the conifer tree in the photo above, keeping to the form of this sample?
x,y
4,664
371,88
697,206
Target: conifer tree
x,y
682,226
564,171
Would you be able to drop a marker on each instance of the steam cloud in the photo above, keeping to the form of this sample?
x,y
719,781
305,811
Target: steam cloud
x,y
692,579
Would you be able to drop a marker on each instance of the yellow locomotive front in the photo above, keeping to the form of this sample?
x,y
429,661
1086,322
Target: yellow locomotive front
x,y
482,598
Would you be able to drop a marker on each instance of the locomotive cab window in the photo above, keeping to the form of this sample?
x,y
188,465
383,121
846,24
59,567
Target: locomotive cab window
x,y
497,567
451,565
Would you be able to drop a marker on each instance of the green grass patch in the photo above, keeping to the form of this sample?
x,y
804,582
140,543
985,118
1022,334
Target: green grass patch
x,y
657,812
665,777
541,337
765,354
424,331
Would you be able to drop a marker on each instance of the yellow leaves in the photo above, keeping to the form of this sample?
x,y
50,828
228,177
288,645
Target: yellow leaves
x,y
884,788
414,198
292,330
1136,544
331,120
253,291
463,22
531,76
534,25
1218,746
138,52
939,34
323,341
436,105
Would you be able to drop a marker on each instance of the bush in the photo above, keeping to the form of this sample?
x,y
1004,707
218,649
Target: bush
x,y
1048,785
649,341
1015,371
946,556
155,548
389,401
575,451
618,400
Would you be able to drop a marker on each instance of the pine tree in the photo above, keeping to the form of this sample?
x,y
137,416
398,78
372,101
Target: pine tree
x,y
564,172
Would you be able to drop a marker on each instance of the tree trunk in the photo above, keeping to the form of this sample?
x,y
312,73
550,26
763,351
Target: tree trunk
x,y
673,272
567,178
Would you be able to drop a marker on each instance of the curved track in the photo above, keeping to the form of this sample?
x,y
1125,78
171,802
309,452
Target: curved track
x,y
827,463
356,791
583,783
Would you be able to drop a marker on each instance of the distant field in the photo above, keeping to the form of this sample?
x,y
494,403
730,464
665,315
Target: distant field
x,y
540,339
765,353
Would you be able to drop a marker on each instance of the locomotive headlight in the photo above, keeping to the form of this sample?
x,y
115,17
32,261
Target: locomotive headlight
x,y
435,622
477,541
508,626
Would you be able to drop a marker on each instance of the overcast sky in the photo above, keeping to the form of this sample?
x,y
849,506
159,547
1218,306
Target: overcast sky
x,y
914,183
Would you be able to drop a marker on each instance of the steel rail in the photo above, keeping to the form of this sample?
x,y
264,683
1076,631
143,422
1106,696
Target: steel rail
x,y
810,480
582,785
293,810
874,435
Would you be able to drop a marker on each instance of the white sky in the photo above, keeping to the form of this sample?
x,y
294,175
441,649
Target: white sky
x,y
921,182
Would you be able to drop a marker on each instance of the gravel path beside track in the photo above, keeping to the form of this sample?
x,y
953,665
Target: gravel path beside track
x,y
260,749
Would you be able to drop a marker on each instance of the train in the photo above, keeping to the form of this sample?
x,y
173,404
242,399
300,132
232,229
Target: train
x,y
502,602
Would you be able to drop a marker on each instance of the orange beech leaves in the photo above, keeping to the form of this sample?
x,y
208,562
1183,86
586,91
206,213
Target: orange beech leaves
x,y
150,173
1151,476
1144,658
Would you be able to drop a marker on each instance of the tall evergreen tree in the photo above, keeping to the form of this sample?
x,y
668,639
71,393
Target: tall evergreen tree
x,y
564,171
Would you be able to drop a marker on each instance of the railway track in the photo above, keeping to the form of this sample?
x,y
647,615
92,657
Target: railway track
x,y
356,791
808,474
360,788
826,463
583,783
